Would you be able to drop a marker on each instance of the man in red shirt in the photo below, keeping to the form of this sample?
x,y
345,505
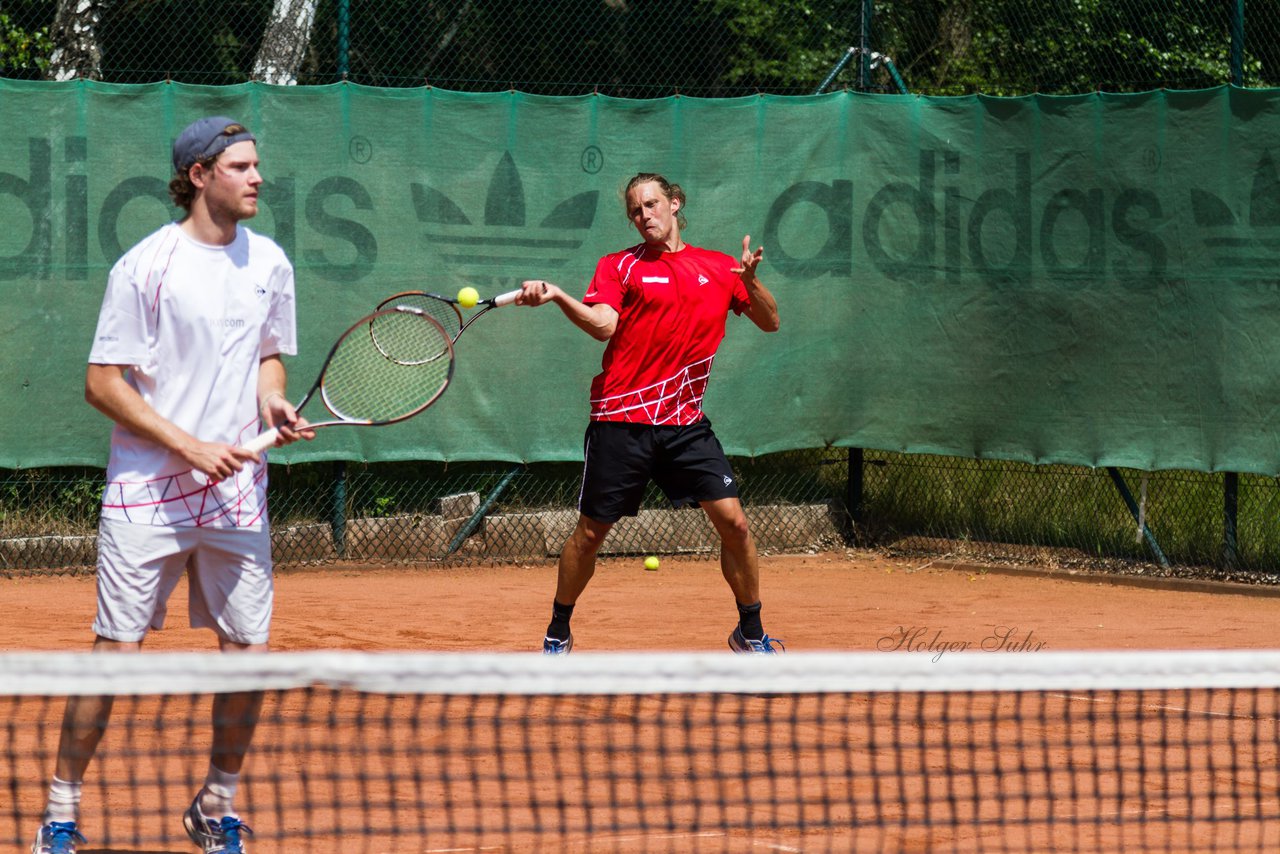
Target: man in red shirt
x,y
662,306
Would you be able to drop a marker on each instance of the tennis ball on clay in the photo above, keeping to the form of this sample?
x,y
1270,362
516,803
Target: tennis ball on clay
x,y
651,563
467,297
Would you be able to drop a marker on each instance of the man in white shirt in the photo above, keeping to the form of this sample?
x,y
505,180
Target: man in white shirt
x,y
186,361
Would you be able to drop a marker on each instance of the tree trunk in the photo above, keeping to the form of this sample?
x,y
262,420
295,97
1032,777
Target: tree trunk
x,y
76,52
447,38
285,41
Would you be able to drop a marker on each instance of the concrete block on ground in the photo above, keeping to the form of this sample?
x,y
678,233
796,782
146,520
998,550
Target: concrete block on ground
x,y
413,537
515,535
793,526
51,552
302,543
684,531
449,529
558,524
459,506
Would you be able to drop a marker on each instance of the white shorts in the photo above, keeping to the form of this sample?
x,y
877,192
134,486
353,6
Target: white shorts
x,y
229,579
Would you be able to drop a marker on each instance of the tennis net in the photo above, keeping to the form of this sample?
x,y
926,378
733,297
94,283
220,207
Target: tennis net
x,y
808,752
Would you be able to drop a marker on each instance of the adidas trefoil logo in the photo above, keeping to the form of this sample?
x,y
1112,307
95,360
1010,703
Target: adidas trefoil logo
x,y
503,248
1232,244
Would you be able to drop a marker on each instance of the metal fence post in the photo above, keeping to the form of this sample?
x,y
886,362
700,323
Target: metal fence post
x,y
1123,489
344,38
854,495
469,527
839,66
1237,43
1230,518
338,508
864,61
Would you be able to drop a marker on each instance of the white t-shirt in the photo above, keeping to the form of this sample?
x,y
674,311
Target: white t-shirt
x,y
193,321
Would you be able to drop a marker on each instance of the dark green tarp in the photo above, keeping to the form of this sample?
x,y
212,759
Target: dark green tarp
x,y
1088,279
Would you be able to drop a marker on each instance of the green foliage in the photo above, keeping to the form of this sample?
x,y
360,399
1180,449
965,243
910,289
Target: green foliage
x,y
787,46
382,506
1008,47
23,49
712,48
554,47
49,501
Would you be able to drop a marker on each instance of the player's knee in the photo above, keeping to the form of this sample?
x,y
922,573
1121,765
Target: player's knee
x,y
587,539
736,531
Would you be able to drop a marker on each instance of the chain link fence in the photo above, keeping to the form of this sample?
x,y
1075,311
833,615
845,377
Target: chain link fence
x,y
1162,524
429,512
1165,523
636,49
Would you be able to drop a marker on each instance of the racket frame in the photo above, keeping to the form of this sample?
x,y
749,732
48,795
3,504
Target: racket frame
x,y
267,438
489,304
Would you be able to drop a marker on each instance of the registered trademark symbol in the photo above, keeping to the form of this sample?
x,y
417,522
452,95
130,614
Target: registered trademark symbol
x,y
360,149
1151,158
592,160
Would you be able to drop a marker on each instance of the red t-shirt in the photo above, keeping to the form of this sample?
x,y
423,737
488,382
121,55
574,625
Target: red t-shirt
x,y
672,308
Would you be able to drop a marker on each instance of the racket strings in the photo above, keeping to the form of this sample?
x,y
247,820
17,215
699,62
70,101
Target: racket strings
x,y
445,312
390,371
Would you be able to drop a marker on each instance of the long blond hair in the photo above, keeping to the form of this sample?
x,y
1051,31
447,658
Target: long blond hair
x,y
670,190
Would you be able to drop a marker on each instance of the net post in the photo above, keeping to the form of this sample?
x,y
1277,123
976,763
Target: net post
x,y
338,508
1230,518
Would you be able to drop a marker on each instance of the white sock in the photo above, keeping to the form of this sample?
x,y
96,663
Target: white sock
x,y
64,801
218,792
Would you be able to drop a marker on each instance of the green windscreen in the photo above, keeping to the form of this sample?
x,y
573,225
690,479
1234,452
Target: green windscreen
x,y
1088,279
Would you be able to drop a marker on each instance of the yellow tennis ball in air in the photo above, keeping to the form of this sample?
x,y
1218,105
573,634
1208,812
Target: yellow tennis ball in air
x,y
467,297
651,563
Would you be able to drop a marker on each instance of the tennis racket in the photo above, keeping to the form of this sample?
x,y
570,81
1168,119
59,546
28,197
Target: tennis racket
x,y
446,309
387,367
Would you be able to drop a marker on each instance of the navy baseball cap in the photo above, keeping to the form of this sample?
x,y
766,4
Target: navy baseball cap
x,y
207,137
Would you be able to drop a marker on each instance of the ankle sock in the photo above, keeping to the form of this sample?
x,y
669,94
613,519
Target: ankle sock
x,y
749,621
559,627
64,801
218,792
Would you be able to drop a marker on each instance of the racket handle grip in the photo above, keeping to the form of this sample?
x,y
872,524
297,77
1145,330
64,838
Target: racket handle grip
x,y
262,441
507,298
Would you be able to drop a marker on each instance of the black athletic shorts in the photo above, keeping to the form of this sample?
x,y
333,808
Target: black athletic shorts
x,y
687,463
